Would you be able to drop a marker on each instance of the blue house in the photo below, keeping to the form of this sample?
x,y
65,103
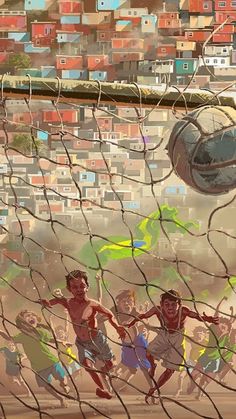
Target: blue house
x,y
75,74
185,65
42,135
87,177
19,36
148,23
133,205
175,190
68,37
103,5
29,48
48,71
98,75
36,4
70,20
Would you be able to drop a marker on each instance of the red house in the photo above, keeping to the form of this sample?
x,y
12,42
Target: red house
x,y
95,62
97,164
168,20
13,21
118,57
7,45
67,115
128,130
220,17
24,117
69,62
224,34
44,33
70,7
200,6
225,5
105,123
127,43
166,51
198,35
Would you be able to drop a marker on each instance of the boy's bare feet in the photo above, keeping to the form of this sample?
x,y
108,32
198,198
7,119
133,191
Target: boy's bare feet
x,y
104,394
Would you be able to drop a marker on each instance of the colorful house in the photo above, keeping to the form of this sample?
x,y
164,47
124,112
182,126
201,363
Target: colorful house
x,y
69,62
148,23
43,33
70,7
30,5
13,20
185,66
103,5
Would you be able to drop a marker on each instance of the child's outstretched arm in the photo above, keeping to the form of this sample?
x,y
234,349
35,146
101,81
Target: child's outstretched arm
x,y
49,303
110,316
153,311
201,318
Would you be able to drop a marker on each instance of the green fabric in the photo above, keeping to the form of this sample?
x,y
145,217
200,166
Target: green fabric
x,y
37,350
216,346
228,355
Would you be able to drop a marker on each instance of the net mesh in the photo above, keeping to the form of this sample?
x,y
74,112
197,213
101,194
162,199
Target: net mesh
x,y
101,196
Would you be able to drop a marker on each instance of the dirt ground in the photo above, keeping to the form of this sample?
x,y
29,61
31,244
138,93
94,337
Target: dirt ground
x,y
186,407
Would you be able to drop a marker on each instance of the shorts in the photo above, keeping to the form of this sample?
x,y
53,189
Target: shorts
x,y
73,367
134,356
55,371
170,347
96,348
209,365
13,370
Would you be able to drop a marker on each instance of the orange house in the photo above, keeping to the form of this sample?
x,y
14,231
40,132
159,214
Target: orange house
x,y
69,62
97,61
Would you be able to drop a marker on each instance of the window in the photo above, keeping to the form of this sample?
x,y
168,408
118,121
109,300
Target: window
x,y
168,22
222,61
190,34
135,13
102,35
163,49
93,163
215,61
222,4
84,176
100,74
194,81
233,3
224,50
146,22
129,12
185,66
182,44
205,6
62,61
97,60
102,3
207,61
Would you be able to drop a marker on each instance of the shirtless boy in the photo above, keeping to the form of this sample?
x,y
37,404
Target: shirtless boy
x,y
90,341
168,345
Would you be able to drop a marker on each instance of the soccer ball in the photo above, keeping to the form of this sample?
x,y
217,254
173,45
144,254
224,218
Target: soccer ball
x,y
202,149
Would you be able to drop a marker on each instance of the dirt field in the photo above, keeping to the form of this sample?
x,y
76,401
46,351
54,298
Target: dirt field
x,y
136,408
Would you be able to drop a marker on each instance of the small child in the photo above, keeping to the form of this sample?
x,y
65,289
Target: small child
x,y
34,338
13,359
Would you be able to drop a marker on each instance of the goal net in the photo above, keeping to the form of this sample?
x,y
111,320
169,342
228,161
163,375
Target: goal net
x,y
89,186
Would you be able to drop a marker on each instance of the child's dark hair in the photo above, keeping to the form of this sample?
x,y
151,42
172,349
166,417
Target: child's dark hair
x,y
172,295
76,275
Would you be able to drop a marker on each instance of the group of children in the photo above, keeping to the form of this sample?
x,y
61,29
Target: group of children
x,y
208,356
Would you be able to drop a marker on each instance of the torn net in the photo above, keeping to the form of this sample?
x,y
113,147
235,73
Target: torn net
x,y
100,196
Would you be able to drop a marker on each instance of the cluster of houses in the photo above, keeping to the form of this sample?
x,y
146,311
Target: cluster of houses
x,y
175,42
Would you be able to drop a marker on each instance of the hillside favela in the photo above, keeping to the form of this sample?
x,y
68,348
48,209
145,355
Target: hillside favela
x,y
82,186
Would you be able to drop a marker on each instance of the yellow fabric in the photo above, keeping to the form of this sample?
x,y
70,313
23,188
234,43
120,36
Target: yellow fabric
x,y
66,359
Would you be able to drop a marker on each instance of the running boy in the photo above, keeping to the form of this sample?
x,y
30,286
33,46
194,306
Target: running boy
x,y
168,345
35,338
90,341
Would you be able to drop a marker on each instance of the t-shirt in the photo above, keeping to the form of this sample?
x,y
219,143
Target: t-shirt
x,y
216,344
37,350
228,355
197,349
63,350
